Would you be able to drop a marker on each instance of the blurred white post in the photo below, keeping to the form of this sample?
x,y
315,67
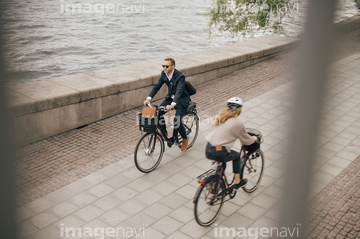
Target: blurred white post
x,y
316,50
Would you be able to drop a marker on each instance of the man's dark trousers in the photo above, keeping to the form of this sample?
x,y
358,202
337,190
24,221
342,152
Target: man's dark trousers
x,y
180,112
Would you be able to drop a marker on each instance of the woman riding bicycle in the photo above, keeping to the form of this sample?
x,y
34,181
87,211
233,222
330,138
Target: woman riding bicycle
x,y
228,129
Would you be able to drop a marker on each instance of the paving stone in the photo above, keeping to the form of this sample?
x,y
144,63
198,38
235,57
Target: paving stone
x,y
25,229
96,178
141,220
107,202
331,169
273,191
114,217
193,230
39,205
264,201
117,181
82,199
69,221
274,172
153,233
89,213
148,197
173,200
63,209
101,190
164,188
47,233
157,210
237,219
183,214
167,225
132,207
125,193
140,185
264,222
43,219
154,179
178,235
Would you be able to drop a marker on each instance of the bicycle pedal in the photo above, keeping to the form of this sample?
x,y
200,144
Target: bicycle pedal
x,y
226,191
255,155
232,194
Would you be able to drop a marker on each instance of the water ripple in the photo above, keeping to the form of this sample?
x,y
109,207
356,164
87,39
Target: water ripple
x,y
46,40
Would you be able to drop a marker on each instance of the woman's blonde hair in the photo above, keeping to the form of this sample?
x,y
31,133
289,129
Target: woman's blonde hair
x,y
226,114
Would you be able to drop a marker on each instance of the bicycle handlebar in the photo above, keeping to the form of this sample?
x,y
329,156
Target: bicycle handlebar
x,y
161,107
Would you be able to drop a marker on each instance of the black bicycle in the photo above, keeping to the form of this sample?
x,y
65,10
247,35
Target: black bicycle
x,y
151,147
215,187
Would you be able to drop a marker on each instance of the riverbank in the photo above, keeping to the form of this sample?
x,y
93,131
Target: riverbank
x,y
42,109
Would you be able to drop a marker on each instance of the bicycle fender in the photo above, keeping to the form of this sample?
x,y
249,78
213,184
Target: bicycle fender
x,y
161,138
201,186
197,194
242,165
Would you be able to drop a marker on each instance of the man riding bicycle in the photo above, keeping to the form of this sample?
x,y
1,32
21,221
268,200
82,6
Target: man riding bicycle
x,y
177,97
228,129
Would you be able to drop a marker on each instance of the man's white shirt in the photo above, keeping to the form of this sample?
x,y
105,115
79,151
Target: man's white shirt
x,y
169,78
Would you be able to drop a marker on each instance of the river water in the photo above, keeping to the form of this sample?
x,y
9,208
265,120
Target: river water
x,y
52,38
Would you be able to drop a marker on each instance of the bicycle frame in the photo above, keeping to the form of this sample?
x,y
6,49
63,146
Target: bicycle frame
x,y
170,140
174,139
221,172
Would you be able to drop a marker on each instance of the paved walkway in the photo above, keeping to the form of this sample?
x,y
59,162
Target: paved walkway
x,y
52,163
159,205
86,177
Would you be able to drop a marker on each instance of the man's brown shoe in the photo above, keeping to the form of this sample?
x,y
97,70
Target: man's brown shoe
x,y
185,144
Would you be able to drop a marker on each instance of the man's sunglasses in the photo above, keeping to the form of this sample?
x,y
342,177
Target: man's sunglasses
x,y
165,66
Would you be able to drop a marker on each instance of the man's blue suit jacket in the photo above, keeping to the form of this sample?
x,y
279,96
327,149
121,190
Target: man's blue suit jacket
x,y
176,88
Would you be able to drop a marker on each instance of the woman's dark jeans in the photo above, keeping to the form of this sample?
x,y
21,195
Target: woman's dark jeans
x,y
222,155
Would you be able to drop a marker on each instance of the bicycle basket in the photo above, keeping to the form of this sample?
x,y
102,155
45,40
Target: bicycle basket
x,y
147,124
255,146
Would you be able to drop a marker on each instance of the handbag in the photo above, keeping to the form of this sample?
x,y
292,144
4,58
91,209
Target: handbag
x,y
149,112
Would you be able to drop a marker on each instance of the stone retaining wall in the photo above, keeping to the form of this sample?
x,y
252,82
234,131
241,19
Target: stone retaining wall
x,y
45,108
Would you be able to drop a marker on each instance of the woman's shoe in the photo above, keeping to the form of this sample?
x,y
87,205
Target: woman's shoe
x,y
242,183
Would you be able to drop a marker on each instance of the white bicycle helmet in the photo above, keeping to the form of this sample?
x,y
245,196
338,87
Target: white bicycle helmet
x,y
234,103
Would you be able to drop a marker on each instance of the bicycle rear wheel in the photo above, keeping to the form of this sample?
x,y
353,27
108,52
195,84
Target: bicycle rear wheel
x,y
148,152
206,208
253,170
191,124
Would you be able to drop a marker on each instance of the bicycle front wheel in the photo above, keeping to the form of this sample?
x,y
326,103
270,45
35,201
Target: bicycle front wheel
x,y
148,152
207,208
191,124
253,170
